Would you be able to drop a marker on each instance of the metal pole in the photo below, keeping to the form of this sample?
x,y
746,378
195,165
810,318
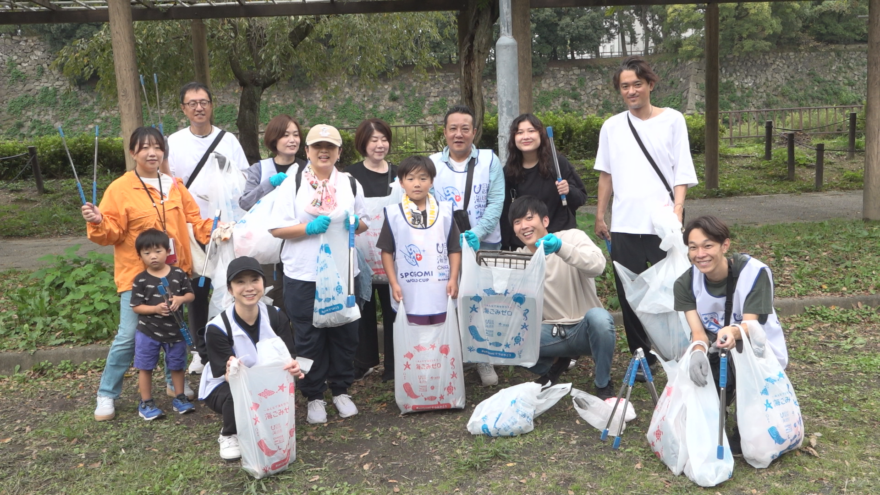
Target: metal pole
x,y
790,137
820,165
507,70
851,151
35,167
768,140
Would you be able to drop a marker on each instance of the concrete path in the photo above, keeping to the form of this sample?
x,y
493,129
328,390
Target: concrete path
x,y
744,210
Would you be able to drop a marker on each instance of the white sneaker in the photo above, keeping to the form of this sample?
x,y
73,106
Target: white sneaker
x,y
105,410
169,391
344,405
487,374
196,366
229,449
572,364
317,412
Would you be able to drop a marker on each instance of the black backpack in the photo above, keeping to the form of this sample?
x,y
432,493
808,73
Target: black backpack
x,y
274,322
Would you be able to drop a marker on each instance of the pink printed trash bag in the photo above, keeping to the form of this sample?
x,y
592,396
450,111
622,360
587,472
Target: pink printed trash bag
x,y
264,410
427,364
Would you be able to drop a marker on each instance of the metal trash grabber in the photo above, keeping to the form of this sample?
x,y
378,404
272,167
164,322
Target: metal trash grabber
x,y
629,389
147,100
79,185
619,393
649,377
722,385
158,103
350,300
556,162
95,171
208,249
184,330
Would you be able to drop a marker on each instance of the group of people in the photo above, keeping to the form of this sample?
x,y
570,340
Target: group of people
x,y
457,196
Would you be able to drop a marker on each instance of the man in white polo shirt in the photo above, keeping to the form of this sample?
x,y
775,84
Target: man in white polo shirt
x,y
477,209
628,143
187,148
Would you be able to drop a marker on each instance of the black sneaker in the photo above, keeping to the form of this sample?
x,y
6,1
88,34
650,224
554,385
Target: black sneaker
x,y
559,367
361,373
606,392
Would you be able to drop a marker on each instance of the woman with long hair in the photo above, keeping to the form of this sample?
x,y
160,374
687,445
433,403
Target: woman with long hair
x,y
530,171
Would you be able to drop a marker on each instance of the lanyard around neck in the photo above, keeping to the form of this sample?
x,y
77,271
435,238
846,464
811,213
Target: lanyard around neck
x,y
163,216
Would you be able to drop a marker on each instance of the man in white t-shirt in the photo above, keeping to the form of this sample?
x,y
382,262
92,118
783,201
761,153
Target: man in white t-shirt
x,y
486,195
639,190
186,148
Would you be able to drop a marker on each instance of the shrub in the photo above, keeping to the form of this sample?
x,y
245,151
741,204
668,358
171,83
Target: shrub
x,y
53,159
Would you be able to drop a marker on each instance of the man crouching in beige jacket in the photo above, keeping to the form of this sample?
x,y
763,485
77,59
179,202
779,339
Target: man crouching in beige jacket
x,y
575,323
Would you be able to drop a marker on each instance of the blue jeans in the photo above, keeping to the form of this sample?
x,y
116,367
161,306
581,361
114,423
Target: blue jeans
x,y
592,336
122,351
490,246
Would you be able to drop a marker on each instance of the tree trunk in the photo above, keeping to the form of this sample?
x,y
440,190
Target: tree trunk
x,y
248,120
643,18
474,40
622,33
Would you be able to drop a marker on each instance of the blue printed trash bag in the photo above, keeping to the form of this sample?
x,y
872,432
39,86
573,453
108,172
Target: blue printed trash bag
x,y
330,292
767,410
500,311
512,411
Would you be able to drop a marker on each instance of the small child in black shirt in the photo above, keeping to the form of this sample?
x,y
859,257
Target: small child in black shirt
x,y
157,328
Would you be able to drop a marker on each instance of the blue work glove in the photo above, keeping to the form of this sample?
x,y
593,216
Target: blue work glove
x,y
318,225
471,238
699,368
277,179
357,221
550,242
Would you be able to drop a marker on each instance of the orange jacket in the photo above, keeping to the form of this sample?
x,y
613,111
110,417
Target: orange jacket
x,y
127,212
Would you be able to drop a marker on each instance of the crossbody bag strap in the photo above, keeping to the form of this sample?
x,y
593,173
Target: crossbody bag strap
x,y
731,287
469,183
204,159
650,158
228,329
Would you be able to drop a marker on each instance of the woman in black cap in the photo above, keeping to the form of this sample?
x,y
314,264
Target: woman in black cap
x,y
247,321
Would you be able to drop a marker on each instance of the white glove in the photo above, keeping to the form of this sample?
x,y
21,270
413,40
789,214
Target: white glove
x,y
757,336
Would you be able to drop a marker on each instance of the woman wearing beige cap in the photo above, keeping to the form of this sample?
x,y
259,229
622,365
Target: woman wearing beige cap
x,y
302,214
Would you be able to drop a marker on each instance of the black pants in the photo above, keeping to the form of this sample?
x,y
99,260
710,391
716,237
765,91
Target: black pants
x,y
635,252
198,315
332,349
367,354
220,401
275,277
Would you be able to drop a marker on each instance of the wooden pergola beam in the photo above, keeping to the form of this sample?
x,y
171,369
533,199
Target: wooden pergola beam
x,y
46,4
125,64
304,8
147,3
871,192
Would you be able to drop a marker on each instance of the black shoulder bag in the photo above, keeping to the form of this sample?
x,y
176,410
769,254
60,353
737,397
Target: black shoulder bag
x,y
461,216
204,159
653,164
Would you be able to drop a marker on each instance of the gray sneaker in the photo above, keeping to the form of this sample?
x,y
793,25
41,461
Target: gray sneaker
x,y
487,374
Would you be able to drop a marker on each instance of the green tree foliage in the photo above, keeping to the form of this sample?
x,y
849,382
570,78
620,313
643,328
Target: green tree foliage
x,y
560,34
837,21
259,52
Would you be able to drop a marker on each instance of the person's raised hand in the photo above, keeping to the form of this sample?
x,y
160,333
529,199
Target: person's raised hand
x,y
91,213
727,337
277,179
699,367
550,242
601,229
175,302
318,225
471,239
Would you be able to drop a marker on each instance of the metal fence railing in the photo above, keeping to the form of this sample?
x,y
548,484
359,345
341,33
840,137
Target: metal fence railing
x,y
750,124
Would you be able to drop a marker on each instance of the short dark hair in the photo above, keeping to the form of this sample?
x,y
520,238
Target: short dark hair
x,y
459,109
152,238
275,130
415,163
640,67
365,131
143,135
194,86
523,205
711,225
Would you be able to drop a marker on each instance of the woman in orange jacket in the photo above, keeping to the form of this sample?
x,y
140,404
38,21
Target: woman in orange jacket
x,y
141,199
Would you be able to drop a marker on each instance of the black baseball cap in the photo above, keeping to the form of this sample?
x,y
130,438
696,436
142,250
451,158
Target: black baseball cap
x,y
243,264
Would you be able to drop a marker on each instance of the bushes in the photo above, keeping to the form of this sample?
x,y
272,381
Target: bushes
x,y
53,159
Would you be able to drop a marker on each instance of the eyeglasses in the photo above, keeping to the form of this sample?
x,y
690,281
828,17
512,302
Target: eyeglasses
x,y
194,104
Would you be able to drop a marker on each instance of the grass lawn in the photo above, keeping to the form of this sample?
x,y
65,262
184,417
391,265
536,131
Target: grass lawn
x,y
49,442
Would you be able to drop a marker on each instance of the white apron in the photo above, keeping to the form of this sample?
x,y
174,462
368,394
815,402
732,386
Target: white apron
x,y
449,185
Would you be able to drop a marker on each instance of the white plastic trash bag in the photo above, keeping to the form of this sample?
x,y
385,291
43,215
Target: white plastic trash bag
x,y
219,186
512,411
650,292
330,288
264,410
767,410
222,253
366,241
427,364
598,411
500,311
684,428
252,237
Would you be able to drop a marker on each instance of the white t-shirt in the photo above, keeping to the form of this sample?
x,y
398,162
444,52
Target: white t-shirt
x,y
167,183
185,149
300,255
637,189
458,166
